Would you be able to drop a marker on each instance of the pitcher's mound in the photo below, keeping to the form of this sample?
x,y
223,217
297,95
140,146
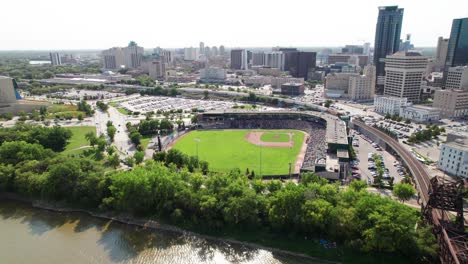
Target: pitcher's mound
x,y
255,138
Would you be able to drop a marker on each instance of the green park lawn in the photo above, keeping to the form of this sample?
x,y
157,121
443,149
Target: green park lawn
x,y
145,141
78,139
227,149
275,137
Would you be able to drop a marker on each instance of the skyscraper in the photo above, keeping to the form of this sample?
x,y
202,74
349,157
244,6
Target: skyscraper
x,y
300,63
387,39
202,48
457,54
403,75
55,58
441,53
239,59
113,58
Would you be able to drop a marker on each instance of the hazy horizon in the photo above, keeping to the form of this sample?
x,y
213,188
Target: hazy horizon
x,y
96,25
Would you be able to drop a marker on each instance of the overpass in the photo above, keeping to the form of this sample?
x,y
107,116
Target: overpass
x,y
453,246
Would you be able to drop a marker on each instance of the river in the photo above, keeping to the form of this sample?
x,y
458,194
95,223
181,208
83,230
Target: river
x,y
31,235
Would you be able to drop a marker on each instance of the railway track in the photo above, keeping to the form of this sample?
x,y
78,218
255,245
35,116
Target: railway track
x,y
422,179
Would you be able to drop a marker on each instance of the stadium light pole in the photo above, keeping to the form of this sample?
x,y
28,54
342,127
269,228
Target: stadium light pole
x,y
260,173
198,141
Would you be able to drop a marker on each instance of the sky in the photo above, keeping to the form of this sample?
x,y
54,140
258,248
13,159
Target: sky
x,y
100,24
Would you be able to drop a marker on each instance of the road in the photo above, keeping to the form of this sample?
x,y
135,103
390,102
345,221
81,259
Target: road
x,y
421,177
121,138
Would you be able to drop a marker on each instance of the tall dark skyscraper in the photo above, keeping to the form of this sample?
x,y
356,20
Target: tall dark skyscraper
x,y
300,63
457,53
387,39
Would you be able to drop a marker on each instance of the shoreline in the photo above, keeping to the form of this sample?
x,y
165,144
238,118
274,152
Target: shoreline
x,y
150,224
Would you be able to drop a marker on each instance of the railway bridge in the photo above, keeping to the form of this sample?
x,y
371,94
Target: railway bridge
x,y
437,198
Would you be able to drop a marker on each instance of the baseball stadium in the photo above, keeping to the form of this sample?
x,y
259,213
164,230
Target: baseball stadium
x,y
272,143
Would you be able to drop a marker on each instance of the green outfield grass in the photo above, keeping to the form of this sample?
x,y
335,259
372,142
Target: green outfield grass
x,y
228,149
275,137
78,139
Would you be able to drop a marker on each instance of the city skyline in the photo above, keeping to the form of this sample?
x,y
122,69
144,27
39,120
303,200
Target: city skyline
x,y
96,25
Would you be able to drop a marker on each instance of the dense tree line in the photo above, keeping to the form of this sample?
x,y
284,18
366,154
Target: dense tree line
x,y
85,107
134,135
160,91
150,127
432,131
181,160
143,80
353,216
102,106
21,69
168,190
54,138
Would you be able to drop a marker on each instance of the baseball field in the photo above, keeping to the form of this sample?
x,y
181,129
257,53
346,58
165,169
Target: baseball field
x,y
270,150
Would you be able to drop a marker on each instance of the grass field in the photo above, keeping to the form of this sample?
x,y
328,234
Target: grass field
x,y
228,149
78,139
275,137
145,141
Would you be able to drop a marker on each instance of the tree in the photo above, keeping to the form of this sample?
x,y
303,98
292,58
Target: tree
x,y
328,103
205,94
91,137
403,191
139,157
391,181
114,160
358,185
194,119
80,117
111,130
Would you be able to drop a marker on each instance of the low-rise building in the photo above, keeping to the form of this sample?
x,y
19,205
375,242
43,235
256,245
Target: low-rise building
x,y
420,113
212,75
276,82
452,103
292,89
389,104
337,84
453,158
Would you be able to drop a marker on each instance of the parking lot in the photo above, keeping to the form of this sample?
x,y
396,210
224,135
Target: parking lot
x,y
363,147
145,104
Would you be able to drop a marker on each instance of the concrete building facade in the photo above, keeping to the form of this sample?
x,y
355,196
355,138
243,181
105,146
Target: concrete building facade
x,y
441,54
212,75
453,158
457,78
239,59
55,58
389,105
292,89
191,54
404,72
420,113
452,103
274,59
7,90
362,88
337,84
157,69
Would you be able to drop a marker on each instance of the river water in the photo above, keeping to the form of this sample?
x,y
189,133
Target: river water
x,y
31,235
